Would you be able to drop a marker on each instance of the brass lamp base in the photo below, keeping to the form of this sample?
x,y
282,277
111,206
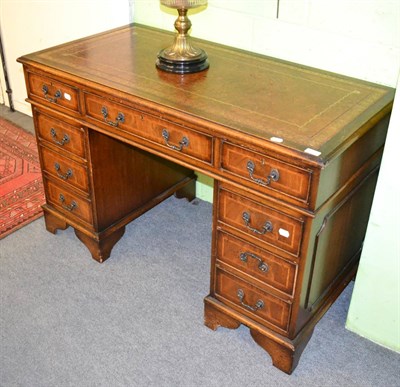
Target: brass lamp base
x,y
182,57
182,66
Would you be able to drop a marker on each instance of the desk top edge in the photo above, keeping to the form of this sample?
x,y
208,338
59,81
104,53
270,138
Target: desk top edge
x,y
366,99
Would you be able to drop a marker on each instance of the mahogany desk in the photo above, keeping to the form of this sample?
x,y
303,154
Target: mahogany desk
x,y
294,152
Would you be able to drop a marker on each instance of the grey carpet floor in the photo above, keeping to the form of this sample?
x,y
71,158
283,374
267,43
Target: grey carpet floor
x,y
137,319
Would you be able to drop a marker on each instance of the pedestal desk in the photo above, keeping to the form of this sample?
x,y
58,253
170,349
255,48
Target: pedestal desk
x,y
294,152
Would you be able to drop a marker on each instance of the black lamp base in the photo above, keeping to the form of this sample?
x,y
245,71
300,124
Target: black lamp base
x,y
200,63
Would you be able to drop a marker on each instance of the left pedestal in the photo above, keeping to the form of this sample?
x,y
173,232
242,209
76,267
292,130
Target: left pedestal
x,y
97,184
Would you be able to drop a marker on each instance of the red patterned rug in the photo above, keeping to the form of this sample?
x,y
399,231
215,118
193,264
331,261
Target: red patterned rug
x,y
21,186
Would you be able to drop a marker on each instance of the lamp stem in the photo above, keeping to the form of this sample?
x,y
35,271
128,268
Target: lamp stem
x,y
182,23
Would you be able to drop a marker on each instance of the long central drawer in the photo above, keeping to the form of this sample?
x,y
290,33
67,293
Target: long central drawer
x,y
182,141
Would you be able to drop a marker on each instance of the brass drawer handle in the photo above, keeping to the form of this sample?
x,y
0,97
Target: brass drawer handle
x,y
64,176
182,143
261,265
64,140
120,117
268,227
259,304
54,99
273,176
71,207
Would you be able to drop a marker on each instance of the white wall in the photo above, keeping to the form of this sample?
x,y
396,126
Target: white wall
x,y
375,305
32,25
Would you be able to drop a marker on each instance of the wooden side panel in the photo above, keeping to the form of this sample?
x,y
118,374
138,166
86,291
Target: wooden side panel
x,y
125,178
338,243
345,165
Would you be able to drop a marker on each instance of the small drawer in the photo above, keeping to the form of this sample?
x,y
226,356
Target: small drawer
x,y
252,301
256,263
266,173
111,114
66,137
260,222
66,170
178,139
53,91
69,203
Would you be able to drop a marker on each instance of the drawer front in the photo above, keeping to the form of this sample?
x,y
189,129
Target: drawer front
x,y
257,263
261,222
71,204
109,114
66,137
267,173
54,92
65,169
178,139
252,301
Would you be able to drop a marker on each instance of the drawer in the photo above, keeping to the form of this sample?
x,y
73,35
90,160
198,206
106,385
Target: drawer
x,y
252,301
52,91
65,169
260,222
66,137
267,173
179,139
71,204
257,263
110,114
